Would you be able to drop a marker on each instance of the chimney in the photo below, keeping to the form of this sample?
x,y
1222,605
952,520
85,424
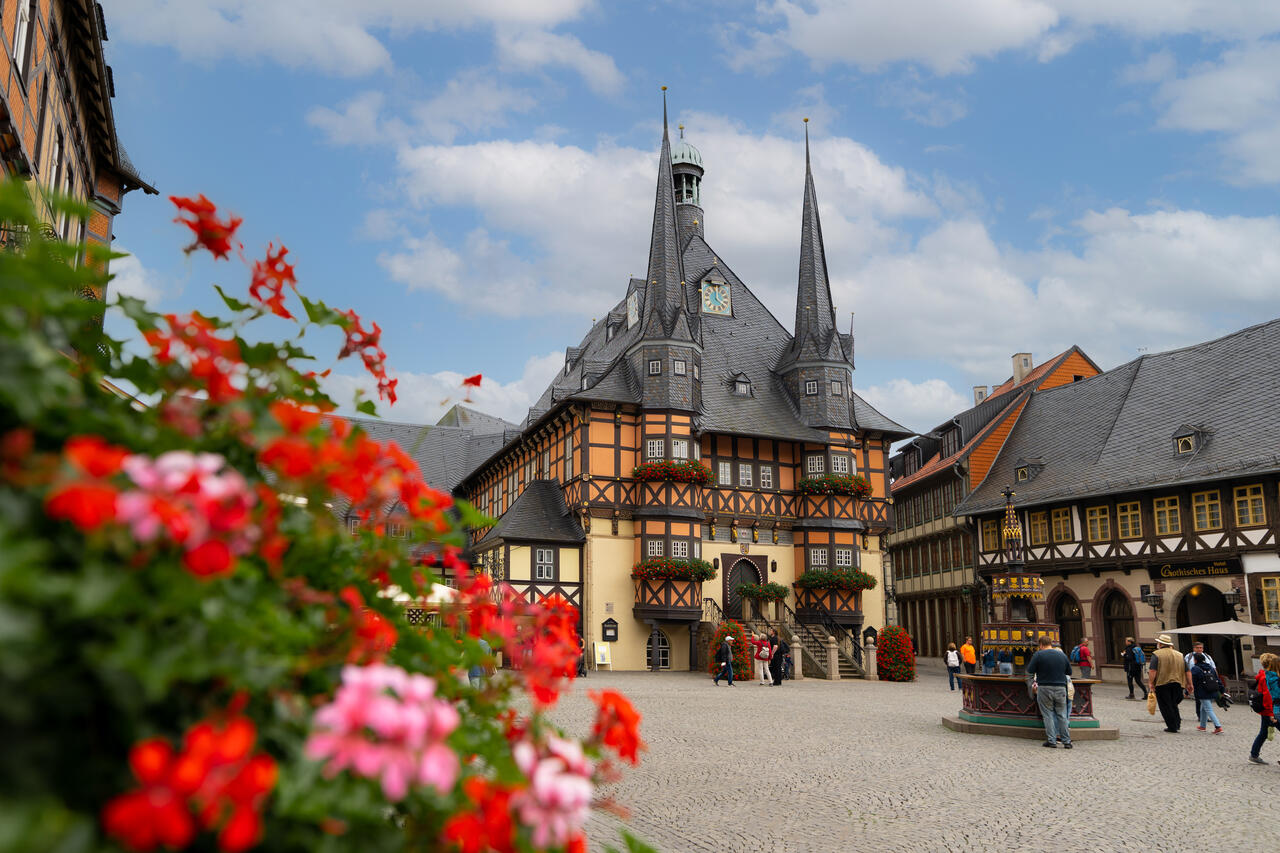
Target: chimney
x,y
1021,366
979,394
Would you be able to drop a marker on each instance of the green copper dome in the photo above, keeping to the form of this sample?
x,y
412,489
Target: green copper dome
x,y
683,152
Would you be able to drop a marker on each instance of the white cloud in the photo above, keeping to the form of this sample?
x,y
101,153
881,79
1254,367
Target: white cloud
x,y
587,213
131,278
948,37
333,36
943,35
1155,280
473,101
923,105
532,49
356,122
424,397
917,405
1238,97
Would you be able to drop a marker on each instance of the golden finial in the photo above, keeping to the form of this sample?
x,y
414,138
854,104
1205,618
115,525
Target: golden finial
x,y
806,121
664,88
681,126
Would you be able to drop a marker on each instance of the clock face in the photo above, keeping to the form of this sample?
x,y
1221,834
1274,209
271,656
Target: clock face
x,y
715,298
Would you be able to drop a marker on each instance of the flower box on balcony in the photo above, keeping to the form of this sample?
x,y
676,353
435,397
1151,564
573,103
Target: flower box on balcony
x,y
834,594
836,484
674,472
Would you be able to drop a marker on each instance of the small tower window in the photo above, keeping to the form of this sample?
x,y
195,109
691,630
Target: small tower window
x,y
837,388
655,367
679,366
810,387
697,372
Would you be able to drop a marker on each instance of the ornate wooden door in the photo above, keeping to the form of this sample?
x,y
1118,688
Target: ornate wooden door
x,y
743,571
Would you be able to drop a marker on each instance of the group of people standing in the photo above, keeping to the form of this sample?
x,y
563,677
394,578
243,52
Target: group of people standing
x,y
967,656
771,654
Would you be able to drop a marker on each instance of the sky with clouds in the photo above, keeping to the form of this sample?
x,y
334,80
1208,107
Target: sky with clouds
x,y
993,176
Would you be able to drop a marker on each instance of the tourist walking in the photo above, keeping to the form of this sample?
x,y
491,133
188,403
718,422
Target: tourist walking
x,y
989,662
780,652
970,655
762,651
1267,684
1086,659
952,658
1204,678
724,661
1005,661
1051,668
1134,657
1197,648
1169,676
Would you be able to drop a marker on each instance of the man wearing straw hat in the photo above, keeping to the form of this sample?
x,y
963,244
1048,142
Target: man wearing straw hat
x,y
1169,677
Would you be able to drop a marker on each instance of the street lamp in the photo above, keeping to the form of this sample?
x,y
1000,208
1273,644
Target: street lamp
x,y
1232,597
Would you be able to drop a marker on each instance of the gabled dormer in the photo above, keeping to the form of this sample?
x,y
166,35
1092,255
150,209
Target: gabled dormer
x,y
1189,440
1026,468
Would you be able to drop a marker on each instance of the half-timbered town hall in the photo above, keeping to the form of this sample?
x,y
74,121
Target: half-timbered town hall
x,y
688,366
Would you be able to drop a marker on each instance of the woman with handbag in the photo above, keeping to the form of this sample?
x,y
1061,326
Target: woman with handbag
x,y
1265,702
1204,679
763,651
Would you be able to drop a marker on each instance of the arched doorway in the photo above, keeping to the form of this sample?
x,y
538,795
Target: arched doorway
x,y
1066,612
743,571
1117,623
1200,605
664,649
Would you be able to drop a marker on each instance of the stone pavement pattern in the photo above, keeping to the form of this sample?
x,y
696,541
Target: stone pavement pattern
x,y
853,765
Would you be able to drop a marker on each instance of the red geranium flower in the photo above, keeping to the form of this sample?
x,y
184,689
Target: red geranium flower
x,y
211,233
269,278
617,724
87,505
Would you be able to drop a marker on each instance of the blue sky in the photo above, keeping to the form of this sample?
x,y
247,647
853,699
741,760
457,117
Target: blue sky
x,y
994,176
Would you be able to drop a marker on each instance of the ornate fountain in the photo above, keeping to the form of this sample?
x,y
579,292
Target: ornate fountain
x,y
1001,704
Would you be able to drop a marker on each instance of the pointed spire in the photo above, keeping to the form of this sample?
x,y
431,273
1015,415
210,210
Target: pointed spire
x,y
664,314
816,338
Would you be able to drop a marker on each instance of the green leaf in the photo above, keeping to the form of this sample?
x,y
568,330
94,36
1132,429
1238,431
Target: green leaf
x,y
231,302
366,407
320,313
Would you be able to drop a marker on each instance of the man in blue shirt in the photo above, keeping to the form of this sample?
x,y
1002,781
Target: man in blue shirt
x,y
476,674
1051,668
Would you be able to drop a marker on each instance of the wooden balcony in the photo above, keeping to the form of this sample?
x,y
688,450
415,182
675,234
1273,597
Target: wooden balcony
x,y
839,605
668,601
669,498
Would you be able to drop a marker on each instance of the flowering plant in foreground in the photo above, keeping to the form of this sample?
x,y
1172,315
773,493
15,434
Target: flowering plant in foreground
x,y
196,654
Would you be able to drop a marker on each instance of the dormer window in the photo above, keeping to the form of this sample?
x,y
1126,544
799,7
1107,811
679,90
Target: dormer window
x,y
742,387
1188,440
1026,469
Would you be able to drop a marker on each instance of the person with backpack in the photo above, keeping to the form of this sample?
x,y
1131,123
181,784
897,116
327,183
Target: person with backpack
x,y
1265,701
989,662
780,651
952,659
724,661
1134,657
1204,679
1084,657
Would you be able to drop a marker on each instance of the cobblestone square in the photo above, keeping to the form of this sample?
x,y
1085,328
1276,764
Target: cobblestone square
x,y
856,765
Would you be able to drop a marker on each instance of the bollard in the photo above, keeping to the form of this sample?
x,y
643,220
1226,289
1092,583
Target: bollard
x,y
869,657
833,659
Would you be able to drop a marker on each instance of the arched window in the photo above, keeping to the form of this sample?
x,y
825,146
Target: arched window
x,y
664,649
1117,623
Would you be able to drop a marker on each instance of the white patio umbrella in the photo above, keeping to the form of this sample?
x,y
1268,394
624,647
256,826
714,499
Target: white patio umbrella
x,y
1228,628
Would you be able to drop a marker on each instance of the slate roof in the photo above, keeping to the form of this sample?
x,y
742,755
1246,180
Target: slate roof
x,y
975,422
476,421
538,514
1114,432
